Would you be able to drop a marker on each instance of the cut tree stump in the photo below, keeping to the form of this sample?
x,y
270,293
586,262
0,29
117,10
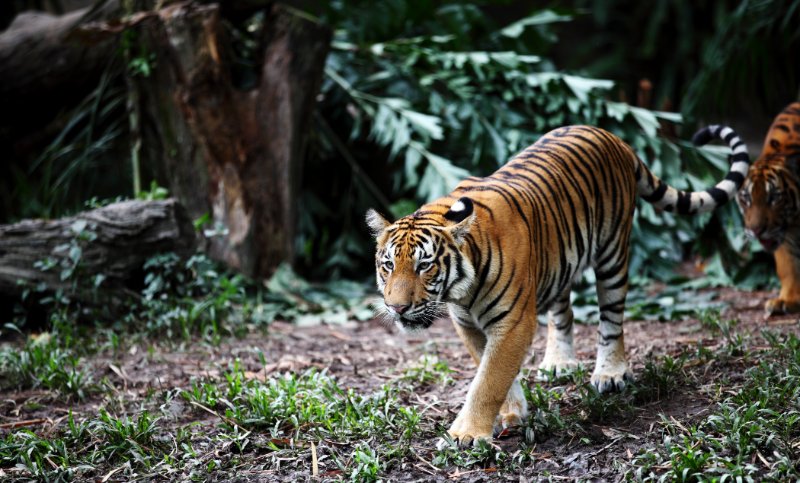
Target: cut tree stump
x,y
113,242
235,155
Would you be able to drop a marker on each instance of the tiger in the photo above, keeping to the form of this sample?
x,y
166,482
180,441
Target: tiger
x,y
497,251
770,205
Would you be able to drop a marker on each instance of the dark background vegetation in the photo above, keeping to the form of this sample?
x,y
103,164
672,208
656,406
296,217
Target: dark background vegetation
x,y
206,375
417,93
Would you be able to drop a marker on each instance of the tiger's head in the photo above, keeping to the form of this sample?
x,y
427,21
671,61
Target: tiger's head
x,y
420,263
770,198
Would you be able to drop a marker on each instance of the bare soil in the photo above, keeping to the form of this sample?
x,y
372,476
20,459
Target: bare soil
x,y
364,356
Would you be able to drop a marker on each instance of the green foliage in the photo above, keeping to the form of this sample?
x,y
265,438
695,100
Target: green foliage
x,y
291,297
429,370
482,455
750,434
440,104
82,446
313,402
129,439
41,363
74,163
708,58
748,54
312,406
50,360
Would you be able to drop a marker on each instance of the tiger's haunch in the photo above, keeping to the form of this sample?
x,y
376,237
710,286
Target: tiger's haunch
x,y
499,250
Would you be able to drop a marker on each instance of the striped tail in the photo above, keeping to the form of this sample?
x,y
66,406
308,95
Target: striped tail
x,y
667,198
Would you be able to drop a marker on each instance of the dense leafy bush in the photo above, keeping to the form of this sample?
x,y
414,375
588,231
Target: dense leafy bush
x,y
451,95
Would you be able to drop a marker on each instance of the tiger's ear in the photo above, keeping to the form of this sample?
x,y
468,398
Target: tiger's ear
x,y
376,222
462,212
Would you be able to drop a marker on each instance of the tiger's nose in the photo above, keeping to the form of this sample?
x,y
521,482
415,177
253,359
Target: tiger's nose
x,y
400,309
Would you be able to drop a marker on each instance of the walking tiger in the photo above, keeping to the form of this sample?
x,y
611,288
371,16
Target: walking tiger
x,y
499,250
770,204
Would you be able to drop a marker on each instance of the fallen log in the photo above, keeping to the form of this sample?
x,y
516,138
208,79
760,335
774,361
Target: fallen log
x,y
97,249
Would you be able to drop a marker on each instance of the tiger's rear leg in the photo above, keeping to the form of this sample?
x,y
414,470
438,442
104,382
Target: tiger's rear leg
x,y
611,372
559,355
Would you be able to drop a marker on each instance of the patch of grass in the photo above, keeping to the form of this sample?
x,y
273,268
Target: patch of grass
x,y
483,455
130,439
48,360
713,321
365,465
752,433
429,370
78,450
545,413
314,402
302,408
659,378
181,299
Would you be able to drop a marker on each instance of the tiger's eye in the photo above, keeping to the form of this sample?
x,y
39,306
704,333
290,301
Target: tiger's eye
x,y
423,266
388,265
744,198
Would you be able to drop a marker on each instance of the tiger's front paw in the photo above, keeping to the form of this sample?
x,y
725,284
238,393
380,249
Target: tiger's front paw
x,y
555,365
780,306
465,432
611,377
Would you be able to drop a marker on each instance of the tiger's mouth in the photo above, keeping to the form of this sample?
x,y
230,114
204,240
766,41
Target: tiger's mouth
x,y
769,244
419,317
412,325
770,240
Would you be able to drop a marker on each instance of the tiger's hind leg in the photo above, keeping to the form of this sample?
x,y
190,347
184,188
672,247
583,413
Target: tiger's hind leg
x,y
559,355
611,370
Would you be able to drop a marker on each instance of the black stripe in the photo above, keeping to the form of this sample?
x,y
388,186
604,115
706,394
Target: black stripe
x,y
737,178
720,196
684,203
605,319
503,314
609,336
499,296
658,194
730,137
616,307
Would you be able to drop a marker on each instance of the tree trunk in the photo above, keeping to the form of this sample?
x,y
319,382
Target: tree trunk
x,y
234,155
112,242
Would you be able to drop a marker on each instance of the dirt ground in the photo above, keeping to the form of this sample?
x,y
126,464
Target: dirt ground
x,y
363,356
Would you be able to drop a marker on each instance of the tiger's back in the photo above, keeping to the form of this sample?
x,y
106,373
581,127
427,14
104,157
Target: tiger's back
x,y
564,204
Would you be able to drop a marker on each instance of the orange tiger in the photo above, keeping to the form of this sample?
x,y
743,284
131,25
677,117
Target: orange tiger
x,y
499,250
770,203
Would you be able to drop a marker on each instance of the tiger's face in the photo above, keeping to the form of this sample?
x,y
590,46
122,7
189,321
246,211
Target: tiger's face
x,y
769,198
419,264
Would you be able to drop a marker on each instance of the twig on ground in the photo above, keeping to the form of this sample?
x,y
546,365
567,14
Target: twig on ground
x,y
21,424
